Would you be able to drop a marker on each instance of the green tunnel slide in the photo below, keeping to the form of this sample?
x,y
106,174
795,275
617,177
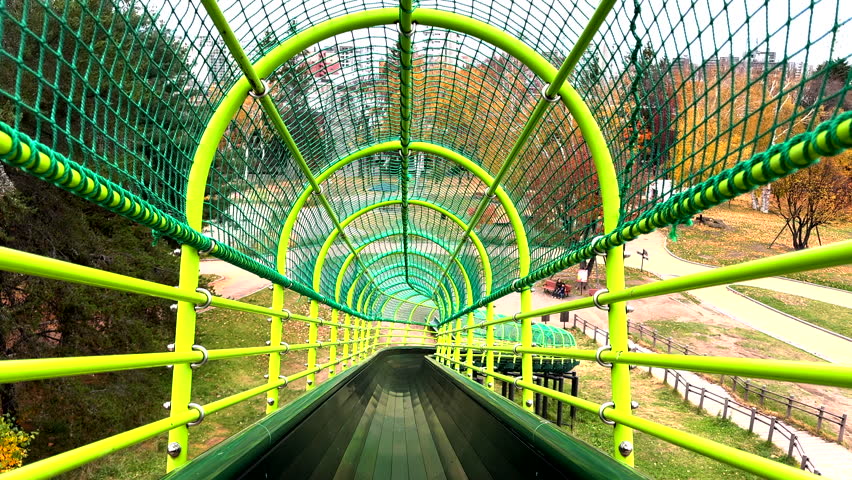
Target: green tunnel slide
x,y
401,415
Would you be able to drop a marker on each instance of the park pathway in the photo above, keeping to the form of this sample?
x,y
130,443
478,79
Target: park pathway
x,y
233,281
801,335
830,459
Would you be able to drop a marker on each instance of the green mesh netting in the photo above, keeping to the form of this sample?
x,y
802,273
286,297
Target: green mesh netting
x,y
682,91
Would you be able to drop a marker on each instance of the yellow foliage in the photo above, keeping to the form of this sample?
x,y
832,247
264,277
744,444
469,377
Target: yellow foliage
x,y
13,444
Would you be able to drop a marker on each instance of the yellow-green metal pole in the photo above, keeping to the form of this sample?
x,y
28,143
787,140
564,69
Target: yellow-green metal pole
x,y
526,358
617,315
313,336
182,373
276,329
332,349
489,342
469,343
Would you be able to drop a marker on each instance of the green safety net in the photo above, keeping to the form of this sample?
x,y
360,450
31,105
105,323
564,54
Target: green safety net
x,y
686,95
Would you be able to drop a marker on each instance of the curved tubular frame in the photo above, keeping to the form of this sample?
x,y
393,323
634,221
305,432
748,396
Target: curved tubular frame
x,y
397,252
468,284
483,254
350,257
456,297
589,129
447,299
458,159
340,277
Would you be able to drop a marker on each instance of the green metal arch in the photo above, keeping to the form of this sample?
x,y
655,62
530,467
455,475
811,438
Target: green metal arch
x,y
370,305
447,299
383,255
389,268
278,56
458,159
350,257
468,286
327,244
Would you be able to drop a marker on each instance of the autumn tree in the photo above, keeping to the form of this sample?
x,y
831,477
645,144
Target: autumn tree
x,y
818,195
654,128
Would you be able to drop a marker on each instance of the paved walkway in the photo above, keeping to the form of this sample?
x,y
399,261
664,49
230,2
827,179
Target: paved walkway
x,y
234,282
782,327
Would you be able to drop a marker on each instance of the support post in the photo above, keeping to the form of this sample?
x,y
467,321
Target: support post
x,y
313,337
489,342
184,339
276,328
526,342
469,343
617,316
332,349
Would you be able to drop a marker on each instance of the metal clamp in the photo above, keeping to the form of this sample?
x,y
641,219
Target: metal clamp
x,y
515,382
545,97
594,245
206,302
515,285
204,356
409,34
286,347
515,317
316,191
598,356
283,377
212,246
264,93
515,348
601,412
200,414
597,302
287,317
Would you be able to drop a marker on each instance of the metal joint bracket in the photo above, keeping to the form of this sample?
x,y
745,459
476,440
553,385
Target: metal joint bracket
x,y
515,317
604,406
545,97
208,301
598,356
515,285
515,348
287,312
286,347
316,191
200,414
282,377
597,302
212,246
595,245
409,34
204,356
515,382
262,94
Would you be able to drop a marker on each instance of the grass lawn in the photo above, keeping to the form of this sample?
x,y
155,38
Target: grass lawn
x,y
829,316
743,342
216,328
747,238
654,457
219,328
